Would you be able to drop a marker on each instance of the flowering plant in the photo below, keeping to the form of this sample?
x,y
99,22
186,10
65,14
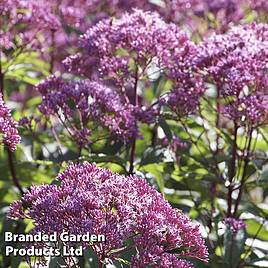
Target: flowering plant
x,y
152,118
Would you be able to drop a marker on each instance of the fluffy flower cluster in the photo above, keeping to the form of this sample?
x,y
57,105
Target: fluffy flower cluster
x,y
184,100
75,12
137,46
24,19
8,128
91,102
235,224
221,13
259,5
59,21
95,200
77,16
140,36
236,62
225,11
176,10
253,109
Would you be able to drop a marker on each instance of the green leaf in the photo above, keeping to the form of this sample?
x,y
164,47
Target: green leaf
x,y
156,84
152,155
163,124
253,226
107,159
263,177
155,176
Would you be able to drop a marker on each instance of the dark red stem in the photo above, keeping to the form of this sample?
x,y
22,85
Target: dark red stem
x,y
243,179
133,147
232,172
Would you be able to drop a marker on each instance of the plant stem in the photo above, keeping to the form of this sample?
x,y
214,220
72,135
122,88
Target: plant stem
x,y
132,156
1,78
52,56
9,153
154,135
133,147
243,179
13,171
252,243
232,171
100,262
217,119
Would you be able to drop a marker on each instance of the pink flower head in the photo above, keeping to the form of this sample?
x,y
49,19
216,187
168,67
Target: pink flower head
x,y
234,224
8,127
95,200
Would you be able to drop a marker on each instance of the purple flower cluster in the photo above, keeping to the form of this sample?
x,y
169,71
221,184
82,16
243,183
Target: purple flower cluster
x,y
92,102
259,5
60,21
135,40
77,16
221,13
75,12
55,24
184,100
236,62
122,55
127,49
234,224
95,200
225,11
253,109
24,19
8,128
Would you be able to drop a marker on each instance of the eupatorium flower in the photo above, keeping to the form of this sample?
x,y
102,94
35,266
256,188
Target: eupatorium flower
x,y
236,62
259,5
234,224
249,109
24,19
225,11
124,209
76,17
136,48
119,46
184,100
219,14
92,102
8,128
